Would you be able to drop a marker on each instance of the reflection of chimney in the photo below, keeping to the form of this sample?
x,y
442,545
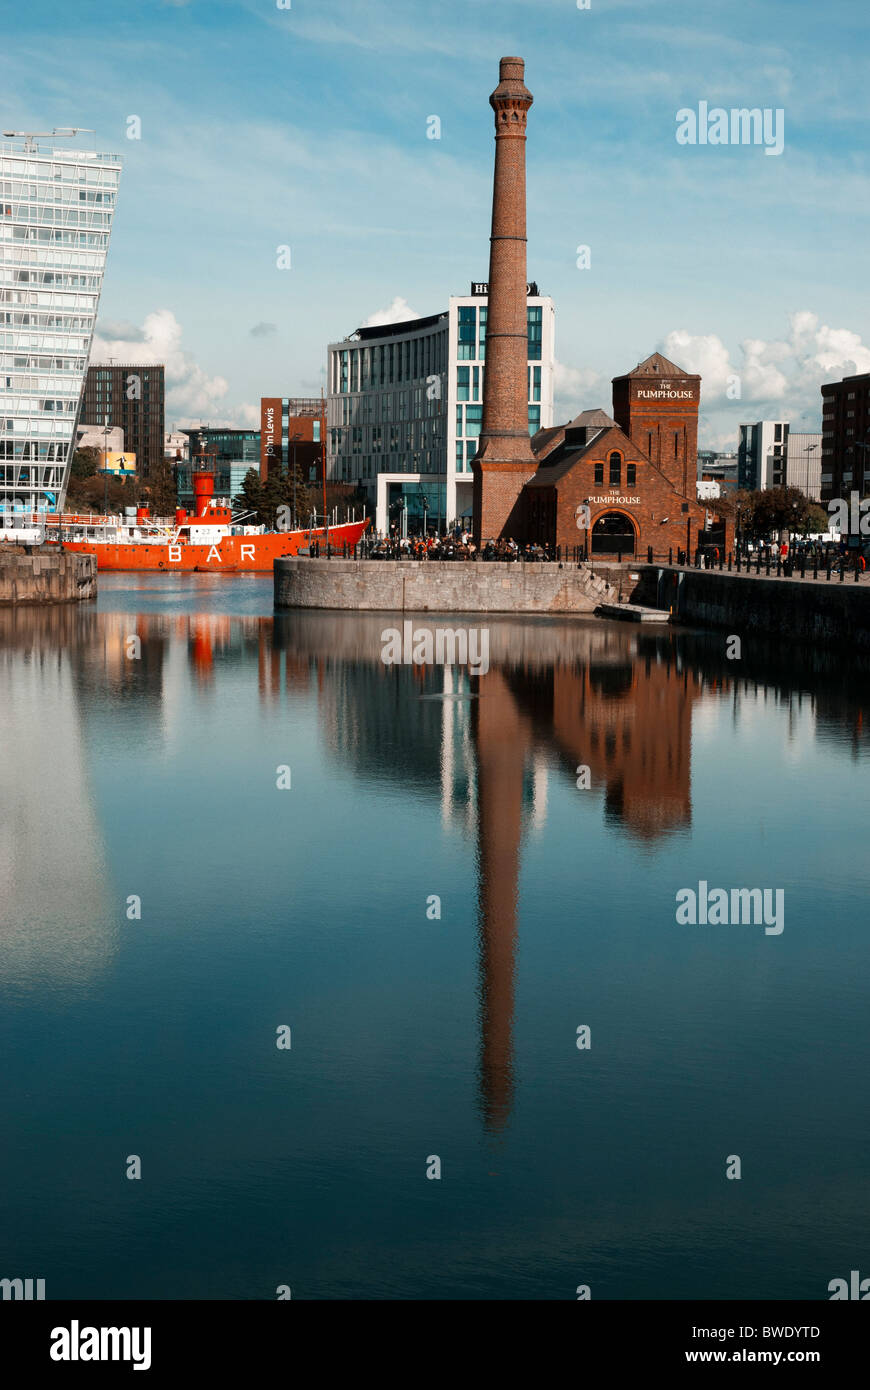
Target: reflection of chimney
x,y
504,459
500,739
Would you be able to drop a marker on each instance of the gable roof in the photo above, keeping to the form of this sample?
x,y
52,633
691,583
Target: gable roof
x,y
592,418
544,441
611,438
656,365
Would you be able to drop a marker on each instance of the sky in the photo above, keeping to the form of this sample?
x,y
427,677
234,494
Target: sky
x,y
306,127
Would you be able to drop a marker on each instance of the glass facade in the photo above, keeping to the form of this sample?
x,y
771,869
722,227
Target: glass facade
x,y
471,349
56,210
407,398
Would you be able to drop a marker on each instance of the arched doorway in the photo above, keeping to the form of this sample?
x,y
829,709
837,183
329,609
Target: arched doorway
x,y
613,534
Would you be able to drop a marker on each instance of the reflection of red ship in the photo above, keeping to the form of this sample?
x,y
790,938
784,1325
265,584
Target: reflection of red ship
x,y
209,540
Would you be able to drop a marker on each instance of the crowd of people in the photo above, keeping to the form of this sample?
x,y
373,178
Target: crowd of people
x,y
456,544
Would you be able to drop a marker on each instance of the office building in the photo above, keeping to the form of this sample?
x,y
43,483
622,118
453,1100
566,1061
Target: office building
x,y
233,453
845,437
405,407
292,430
761,455
56,211
132,396
717,467
804,463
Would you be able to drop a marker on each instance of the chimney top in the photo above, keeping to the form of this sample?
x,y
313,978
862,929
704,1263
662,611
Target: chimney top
x,y
511,67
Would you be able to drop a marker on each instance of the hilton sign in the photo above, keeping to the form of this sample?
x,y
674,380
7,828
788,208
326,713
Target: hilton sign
x,y
480,288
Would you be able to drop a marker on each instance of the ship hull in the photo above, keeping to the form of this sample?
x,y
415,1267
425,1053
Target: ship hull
x,y
228,555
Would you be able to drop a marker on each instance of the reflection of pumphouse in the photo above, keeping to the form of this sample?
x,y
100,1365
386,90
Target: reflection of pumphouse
x,y
617,702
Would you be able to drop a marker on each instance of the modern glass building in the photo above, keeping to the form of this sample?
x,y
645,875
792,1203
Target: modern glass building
x,y
56,210
232,452
405,407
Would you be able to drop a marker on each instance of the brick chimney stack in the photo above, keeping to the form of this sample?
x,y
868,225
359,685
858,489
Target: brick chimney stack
x,y
504,459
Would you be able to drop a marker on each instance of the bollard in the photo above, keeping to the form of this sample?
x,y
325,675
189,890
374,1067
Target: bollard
x,y
778,566
828,568
649,558
670,555
857,569
842,569
758,563
729,561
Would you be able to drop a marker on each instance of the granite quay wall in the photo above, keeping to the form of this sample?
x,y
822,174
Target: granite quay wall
x,y
430,586
805,611
46,576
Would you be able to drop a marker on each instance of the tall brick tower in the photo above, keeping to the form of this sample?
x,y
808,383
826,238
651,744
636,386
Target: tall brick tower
x,y
656,404
504,459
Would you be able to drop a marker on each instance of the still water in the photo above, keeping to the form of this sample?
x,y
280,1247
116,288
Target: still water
x,y
415,1035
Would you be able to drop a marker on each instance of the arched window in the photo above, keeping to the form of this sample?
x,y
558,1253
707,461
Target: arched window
x,y
615,469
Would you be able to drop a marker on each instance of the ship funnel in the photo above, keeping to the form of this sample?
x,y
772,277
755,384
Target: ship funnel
x,y
203,491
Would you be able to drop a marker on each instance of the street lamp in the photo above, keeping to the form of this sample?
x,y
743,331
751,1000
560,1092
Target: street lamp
x,y
294,437
106,465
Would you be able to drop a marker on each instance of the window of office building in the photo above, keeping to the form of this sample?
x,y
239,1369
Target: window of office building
x,y
473,420
466,332
534,383
534,419
536,330
463,383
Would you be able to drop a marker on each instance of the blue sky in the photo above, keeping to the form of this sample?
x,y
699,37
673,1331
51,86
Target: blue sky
x,y
306,127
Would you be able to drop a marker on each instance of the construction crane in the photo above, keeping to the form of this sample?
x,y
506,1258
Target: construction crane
x,y
30,137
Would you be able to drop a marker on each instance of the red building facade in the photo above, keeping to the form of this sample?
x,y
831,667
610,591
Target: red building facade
x,y
622,484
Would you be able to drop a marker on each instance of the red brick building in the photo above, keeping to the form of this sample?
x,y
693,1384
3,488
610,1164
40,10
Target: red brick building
x,y
625,483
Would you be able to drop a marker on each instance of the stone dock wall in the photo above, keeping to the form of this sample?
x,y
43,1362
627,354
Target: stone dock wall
x,y
46,576
804,611
429,586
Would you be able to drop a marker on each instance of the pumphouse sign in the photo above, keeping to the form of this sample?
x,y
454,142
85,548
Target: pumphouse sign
x,y
612,498
665,393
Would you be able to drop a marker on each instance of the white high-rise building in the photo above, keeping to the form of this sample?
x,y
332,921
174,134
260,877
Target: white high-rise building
x,y
761,454
405,407
56,210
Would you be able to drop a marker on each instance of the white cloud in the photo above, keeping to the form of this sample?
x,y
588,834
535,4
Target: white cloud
x,y
191,394
398,312
576,389
780,377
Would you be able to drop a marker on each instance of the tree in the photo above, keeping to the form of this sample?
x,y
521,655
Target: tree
x,y
777,509
161,489
250,497
85,462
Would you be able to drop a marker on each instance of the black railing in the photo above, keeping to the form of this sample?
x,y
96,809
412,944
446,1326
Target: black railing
x,y
795,566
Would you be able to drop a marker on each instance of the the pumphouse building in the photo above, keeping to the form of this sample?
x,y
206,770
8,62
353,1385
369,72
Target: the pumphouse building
x,y
623,483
